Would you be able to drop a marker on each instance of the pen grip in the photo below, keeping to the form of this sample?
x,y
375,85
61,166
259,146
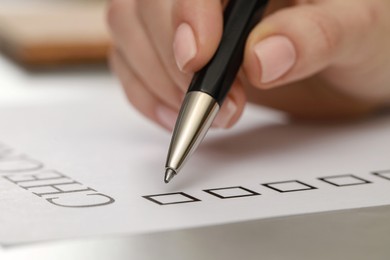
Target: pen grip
x,y
218,75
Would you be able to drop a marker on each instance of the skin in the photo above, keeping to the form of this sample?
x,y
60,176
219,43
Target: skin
x,y
341,66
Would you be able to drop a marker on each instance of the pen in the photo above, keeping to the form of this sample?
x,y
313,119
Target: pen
x,y
211,84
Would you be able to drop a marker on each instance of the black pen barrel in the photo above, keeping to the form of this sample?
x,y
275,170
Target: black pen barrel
x,y
218,75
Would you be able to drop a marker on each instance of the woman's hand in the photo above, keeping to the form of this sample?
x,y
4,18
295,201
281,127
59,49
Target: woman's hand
x,y
312,59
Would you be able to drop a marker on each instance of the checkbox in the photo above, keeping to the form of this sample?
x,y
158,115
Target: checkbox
x,y
383,174
289,186
231,192
344,180
171,198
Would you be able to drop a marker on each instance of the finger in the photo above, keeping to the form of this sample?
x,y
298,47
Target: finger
x,y
199,25
311,99
140,97
300,41
150,106
156,19
130,38
198,30
232,107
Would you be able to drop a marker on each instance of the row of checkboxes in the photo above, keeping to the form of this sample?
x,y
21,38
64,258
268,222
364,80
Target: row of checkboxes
x,y
282,186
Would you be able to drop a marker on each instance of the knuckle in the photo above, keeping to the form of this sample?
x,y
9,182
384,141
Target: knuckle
x,y
372,11
326,28
116,9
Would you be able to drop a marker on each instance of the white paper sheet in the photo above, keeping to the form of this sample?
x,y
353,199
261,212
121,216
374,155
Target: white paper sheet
x,y
103,147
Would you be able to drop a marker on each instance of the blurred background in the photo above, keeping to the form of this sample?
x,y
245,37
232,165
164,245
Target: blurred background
x,y
54,51
52,33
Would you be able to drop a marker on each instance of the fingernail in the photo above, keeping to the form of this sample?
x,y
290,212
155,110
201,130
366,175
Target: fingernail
x,y
226,114
184,45
166,116
277,55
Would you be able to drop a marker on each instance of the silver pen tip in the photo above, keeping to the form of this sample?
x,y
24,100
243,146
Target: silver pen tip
x,y
169,174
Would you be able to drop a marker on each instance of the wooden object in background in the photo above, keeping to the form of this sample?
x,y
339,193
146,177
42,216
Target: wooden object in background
x,y
53,34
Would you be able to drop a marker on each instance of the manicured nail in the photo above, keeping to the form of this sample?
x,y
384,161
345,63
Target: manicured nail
x,y
184,45
166,116
226,114
277,56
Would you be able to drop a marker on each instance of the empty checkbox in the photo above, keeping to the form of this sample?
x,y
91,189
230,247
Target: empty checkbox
x,y
344,180
289,186
171,198
231,192
383,174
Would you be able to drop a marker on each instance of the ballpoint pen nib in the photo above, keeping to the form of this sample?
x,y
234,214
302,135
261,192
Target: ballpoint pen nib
x,y
169,174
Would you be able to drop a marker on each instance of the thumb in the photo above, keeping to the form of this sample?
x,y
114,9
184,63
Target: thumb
x,y
299,41
198,26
